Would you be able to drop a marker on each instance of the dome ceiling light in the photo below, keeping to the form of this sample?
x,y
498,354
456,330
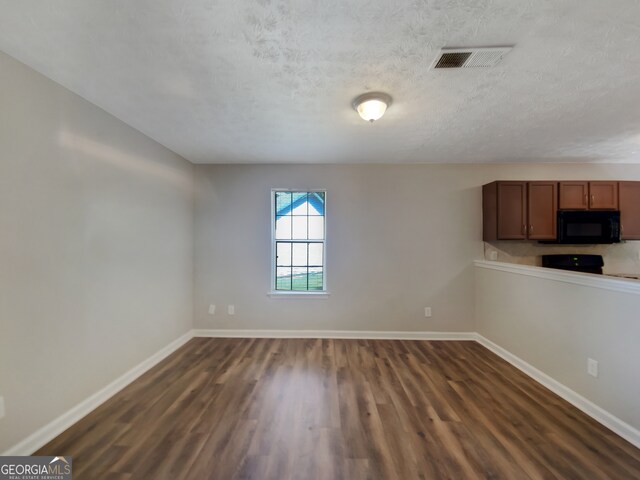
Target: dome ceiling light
x,y
371,106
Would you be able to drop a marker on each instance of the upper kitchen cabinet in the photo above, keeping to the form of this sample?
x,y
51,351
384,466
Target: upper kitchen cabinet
x,y
630,210
603,195
519,210
574,195
504,211
542,208
512,212
588,195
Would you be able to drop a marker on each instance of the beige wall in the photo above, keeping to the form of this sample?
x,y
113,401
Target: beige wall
x,y
399,238
96,248
557,326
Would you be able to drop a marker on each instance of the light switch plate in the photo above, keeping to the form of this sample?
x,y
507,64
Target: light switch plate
x,y
212,309
231,310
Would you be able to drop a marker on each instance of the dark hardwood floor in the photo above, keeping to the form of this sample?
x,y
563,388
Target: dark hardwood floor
x,y
340,409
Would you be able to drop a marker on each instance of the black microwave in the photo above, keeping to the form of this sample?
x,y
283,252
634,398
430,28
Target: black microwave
x,y
588,226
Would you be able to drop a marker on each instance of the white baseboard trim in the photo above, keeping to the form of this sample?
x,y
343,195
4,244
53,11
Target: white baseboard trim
x,y
54,428
344,334
613,423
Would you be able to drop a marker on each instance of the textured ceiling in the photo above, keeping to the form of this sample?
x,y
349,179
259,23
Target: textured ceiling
x,y
222,81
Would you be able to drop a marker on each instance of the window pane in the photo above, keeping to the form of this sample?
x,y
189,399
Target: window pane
x,y
299,203
283,228
283,254
316,203
300,227
283,203
300,254
299,278
315,278
316,227
283,278
315,254
299,233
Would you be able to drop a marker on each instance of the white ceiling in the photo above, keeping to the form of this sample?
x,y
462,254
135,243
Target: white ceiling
x,y
222,81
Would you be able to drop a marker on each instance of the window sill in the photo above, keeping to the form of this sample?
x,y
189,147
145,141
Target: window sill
x,y
288,294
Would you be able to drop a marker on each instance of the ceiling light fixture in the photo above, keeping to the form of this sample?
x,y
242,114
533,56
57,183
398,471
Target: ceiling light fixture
x,y
371,106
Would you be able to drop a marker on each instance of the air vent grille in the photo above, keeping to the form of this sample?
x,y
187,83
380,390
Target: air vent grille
x,y
470,57
452,60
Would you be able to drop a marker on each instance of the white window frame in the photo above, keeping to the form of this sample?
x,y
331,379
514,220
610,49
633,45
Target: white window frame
x,y
297,293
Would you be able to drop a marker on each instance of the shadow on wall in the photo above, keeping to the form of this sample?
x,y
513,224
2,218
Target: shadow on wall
x,y
618,258
121,159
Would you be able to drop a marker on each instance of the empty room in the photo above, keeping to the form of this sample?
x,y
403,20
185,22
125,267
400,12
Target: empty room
x,y
300,240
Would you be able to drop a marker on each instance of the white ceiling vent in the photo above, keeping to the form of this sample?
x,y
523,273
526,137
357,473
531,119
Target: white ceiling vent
x,y
470,57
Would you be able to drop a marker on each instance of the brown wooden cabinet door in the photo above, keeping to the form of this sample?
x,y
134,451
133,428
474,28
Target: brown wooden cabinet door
x,y
542,210
490,212
512,212
630,210
603,195
574,195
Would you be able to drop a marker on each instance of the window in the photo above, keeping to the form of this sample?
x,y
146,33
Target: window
x,y
298,241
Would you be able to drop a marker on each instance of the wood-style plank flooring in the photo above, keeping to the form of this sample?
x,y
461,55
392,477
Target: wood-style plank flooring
x,y
340,409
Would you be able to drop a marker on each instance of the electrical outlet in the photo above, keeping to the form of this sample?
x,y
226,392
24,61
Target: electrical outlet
x,y
493,255
2,410
592,367
231,310
212,309
427,312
